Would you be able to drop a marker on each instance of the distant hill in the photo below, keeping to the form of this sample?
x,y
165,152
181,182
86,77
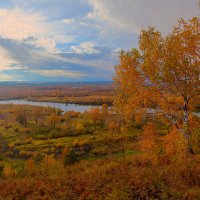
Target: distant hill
x,y
17,83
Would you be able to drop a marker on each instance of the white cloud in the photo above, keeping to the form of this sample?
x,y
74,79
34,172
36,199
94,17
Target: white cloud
x,y
84,24
7,77
133,15
57,73
5,60
18,25
68,21
2,12
46,43
8,63
85,48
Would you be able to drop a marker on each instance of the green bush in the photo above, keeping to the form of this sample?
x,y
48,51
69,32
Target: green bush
x,y
38,157
71,158
54,134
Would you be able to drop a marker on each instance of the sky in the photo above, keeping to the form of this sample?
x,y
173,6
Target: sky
x,y
77,40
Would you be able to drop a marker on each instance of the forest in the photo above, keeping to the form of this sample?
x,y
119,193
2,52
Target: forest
x,y
142,143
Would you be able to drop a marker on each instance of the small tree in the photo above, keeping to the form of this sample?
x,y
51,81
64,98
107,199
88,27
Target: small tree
x,y
95,115
105,113
53,120
37,112
71,157
22,117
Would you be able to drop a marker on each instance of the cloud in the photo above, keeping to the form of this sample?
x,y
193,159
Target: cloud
x,y
84,24
7,62
7,77
85,48
78,38
18,25
2,12
68,21
45,43
30,58
134,15
34,41
58,73
32,28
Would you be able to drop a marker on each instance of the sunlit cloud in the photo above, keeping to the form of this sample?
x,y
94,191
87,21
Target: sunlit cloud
x,y
7,77
58,73
134,15
68,21
18,25
85,48
77,39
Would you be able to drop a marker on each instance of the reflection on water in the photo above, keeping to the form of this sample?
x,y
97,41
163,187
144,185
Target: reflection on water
x,y
62,106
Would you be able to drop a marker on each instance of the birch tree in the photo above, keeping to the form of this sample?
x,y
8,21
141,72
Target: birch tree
x,y
163,73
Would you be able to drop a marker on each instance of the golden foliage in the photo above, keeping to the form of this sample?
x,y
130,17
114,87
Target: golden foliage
x,y
147,139
162,73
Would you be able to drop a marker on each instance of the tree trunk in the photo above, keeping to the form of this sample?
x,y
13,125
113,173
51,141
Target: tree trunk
x,y
186,118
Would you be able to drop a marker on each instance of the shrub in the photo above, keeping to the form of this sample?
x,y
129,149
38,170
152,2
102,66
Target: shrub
x,y
80,129
16,130
29,141
54,134
100,152
18,143
42,137
7,127
25,154
38,157
25,130
1,169
71,157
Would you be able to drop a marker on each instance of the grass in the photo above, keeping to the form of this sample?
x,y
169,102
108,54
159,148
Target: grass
x,y
103,142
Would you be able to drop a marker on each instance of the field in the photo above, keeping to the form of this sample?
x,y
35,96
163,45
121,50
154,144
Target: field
x,y
66,93
88,157
20,142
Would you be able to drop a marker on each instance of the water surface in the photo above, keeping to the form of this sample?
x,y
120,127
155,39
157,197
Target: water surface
x,y
63,106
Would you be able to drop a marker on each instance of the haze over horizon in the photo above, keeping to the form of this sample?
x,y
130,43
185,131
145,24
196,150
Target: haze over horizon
x,y
75,41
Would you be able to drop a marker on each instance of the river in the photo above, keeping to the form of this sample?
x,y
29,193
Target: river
x,y
63,106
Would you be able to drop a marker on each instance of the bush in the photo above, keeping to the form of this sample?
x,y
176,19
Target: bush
x,y
38,157
16,130
25,130
1,169
71,157
42,137
100,152
25,154
18,143
80,129
7,127
54,134
29,141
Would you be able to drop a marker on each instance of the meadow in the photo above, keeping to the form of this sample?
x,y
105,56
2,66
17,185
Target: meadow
x,y
145,146
89,156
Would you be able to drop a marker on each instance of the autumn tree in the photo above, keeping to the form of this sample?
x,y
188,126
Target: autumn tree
x,y
105,113
95,115
80,129
147,139
53,120
22,117
37,114
163,73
